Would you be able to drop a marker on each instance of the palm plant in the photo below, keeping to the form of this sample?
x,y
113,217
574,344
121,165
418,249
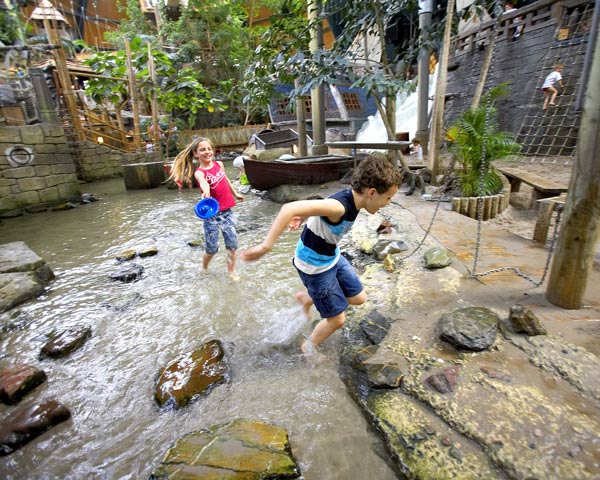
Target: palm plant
x,y
476,141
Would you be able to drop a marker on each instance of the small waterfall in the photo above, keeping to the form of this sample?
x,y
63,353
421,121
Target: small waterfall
x,y
373,129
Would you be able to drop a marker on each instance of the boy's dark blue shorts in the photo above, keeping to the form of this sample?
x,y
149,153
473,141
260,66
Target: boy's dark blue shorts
x,y
329,290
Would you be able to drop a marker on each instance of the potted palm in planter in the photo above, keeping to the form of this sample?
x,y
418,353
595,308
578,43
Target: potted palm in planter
x,y
476,142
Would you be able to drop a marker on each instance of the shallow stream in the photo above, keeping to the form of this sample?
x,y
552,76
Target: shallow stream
x,y
116,430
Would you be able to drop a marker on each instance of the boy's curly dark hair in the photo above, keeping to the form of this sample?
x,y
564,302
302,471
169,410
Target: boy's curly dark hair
x,y
377,173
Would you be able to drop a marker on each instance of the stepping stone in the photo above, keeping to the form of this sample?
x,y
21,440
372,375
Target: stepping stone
x,y
17,381
241,450
27,423
66,342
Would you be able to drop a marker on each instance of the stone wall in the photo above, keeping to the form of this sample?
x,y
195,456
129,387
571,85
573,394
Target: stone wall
x,y
40,168
520,62
36,169
98,162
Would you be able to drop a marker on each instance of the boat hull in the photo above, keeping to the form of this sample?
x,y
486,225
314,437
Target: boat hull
x,y
301,171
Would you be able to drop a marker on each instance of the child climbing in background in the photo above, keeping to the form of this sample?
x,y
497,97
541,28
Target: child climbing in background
x,y
330,280
213,182
549,86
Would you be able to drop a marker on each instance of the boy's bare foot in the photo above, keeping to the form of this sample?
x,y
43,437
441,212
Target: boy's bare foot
x,y
304,299
308,348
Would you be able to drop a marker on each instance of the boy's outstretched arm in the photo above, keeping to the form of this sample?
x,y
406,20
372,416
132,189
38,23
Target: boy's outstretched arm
x,y
288,217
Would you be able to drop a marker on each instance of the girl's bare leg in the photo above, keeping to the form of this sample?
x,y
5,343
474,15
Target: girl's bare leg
x,y
231,265
230,261
206,258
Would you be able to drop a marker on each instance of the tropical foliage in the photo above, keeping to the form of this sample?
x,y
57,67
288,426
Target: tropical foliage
x,y
476,141
210,46
178,91
284,55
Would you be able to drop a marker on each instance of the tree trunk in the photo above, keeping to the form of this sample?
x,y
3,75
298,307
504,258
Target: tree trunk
x,y
578,236
440,94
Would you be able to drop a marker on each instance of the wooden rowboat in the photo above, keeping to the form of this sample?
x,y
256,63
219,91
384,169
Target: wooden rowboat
x,y
299,171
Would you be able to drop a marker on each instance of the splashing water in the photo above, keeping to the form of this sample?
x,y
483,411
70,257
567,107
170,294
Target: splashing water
x,y
284,327
117,430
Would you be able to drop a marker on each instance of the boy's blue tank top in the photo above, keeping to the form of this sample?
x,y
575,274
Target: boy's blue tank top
x,y
317,250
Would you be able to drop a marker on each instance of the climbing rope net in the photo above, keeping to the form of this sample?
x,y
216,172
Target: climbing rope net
x,y
571,39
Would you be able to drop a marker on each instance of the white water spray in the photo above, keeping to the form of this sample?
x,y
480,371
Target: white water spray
x,y
373,130
284,327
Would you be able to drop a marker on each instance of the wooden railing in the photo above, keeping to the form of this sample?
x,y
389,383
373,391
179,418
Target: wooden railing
x,y
533,16
99,127
224,136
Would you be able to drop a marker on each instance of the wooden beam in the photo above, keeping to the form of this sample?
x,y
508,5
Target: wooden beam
x,y
133,93
64,79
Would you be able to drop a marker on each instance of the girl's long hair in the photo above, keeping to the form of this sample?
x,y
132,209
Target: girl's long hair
x,y
183,167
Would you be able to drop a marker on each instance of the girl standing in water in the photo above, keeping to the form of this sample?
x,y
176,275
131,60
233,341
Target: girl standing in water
x,y
213,181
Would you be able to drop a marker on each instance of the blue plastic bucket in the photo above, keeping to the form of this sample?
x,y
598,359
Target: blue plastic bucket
x,y
206,208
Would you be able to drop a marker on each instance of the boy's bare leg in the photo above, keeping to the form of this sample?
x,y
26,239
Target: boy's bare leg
x,y
554,93
304,299
323,331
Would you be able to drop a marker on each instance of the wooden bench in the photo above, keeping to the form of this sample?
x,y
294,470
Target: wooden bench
x,y
546,207
542,187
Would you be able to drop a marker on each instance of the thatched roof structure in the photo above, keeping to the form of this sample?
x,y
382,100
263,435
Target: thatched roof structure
x,y
45,10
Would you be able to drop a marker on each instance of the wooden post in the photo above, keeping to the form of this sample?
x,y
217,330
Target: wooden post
x,y
135,107
435,140
489,51
153,103
63,75
422,133
578,237
301,120
317,94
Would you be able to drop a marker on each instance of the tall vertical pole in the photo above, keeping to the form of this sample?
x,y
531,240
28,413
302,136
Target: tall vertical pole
x,y
317,94
580,227
63,75
301,120
422,133
153,103
135,106
437,121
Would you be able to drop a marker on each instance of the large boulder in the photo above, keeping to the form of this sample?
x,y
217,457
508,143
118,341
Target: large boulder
x,y
469,328
23,275
191,374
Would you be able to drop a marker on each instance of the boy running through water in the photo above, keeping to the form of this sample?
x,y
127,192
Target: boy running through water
x,y
331,282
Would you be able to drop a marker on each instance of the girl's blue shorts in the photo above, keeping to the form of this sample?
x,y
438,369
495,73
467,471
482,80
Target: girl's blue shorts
x,y
225,222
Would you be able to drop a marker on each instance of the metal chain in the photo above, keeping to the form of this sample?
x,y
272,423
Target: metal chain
x,y
482,169
548,258
482,164
420,244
